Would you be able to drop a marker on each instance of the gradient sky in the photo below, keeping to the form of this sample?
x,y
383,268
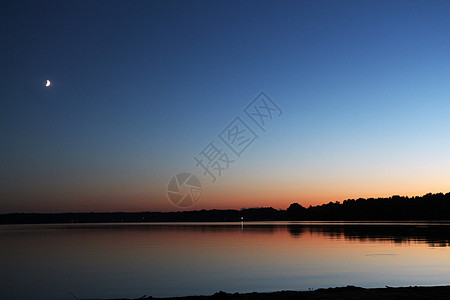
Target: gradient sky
x,y
141,87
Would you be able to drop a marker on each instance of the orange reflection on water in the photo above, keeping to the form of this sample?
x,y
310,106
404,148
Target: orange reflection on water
x,y
130,260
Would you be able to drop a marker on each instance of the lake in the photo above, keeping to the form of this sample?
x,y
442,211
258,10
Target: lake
x,y
178,259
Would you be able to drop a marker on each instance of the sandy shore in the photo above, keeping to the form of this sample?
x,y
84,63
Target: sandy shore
x,y
349,292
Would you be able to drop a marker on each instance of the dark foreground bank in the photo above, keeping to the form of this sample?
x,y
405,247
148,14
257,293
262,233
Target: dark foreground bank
x,y
349,292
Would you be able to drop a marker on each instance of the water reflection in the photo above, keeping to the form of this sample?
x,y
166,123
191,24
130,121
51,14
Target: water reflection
x,y
130,260
434,235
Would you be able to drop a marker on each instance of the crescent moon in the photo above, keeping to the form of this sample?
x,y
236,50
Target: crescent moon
x,y
48,83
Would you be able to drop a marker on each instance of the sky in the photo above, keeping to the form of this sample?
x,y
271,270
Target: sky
x,y
141,88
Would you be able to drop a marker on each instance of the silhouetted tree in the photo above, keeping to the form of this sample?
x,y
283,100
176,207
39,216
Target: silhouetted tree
x,y
295,212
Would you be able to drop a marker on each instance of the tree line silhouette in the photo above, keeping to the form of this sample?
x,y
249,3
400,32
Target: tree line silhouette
x,y
426,207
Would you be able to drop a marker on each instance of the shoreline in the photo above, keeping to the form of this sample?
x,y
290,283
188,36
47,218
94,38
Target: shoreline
x,y
348,292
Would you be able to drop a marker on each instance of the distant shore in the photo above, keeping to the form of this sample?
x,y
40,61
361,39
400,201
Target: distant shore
x,y
348,292
426,207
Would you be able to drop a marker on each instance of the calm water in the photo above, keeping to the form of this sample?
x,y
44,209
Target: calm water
x,y
132,260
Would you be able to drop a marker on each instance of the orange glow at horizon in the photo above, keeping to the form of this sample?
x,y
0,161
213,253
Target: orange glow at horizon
x,y
228,193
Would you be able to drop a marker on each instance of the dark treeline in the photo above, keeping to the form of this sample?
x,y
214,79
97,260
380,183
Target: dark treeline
x,y
252,214
427,207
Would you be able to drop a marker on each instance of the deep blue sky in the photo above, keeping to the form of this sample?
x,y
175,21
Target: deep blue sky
x,y
140,87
